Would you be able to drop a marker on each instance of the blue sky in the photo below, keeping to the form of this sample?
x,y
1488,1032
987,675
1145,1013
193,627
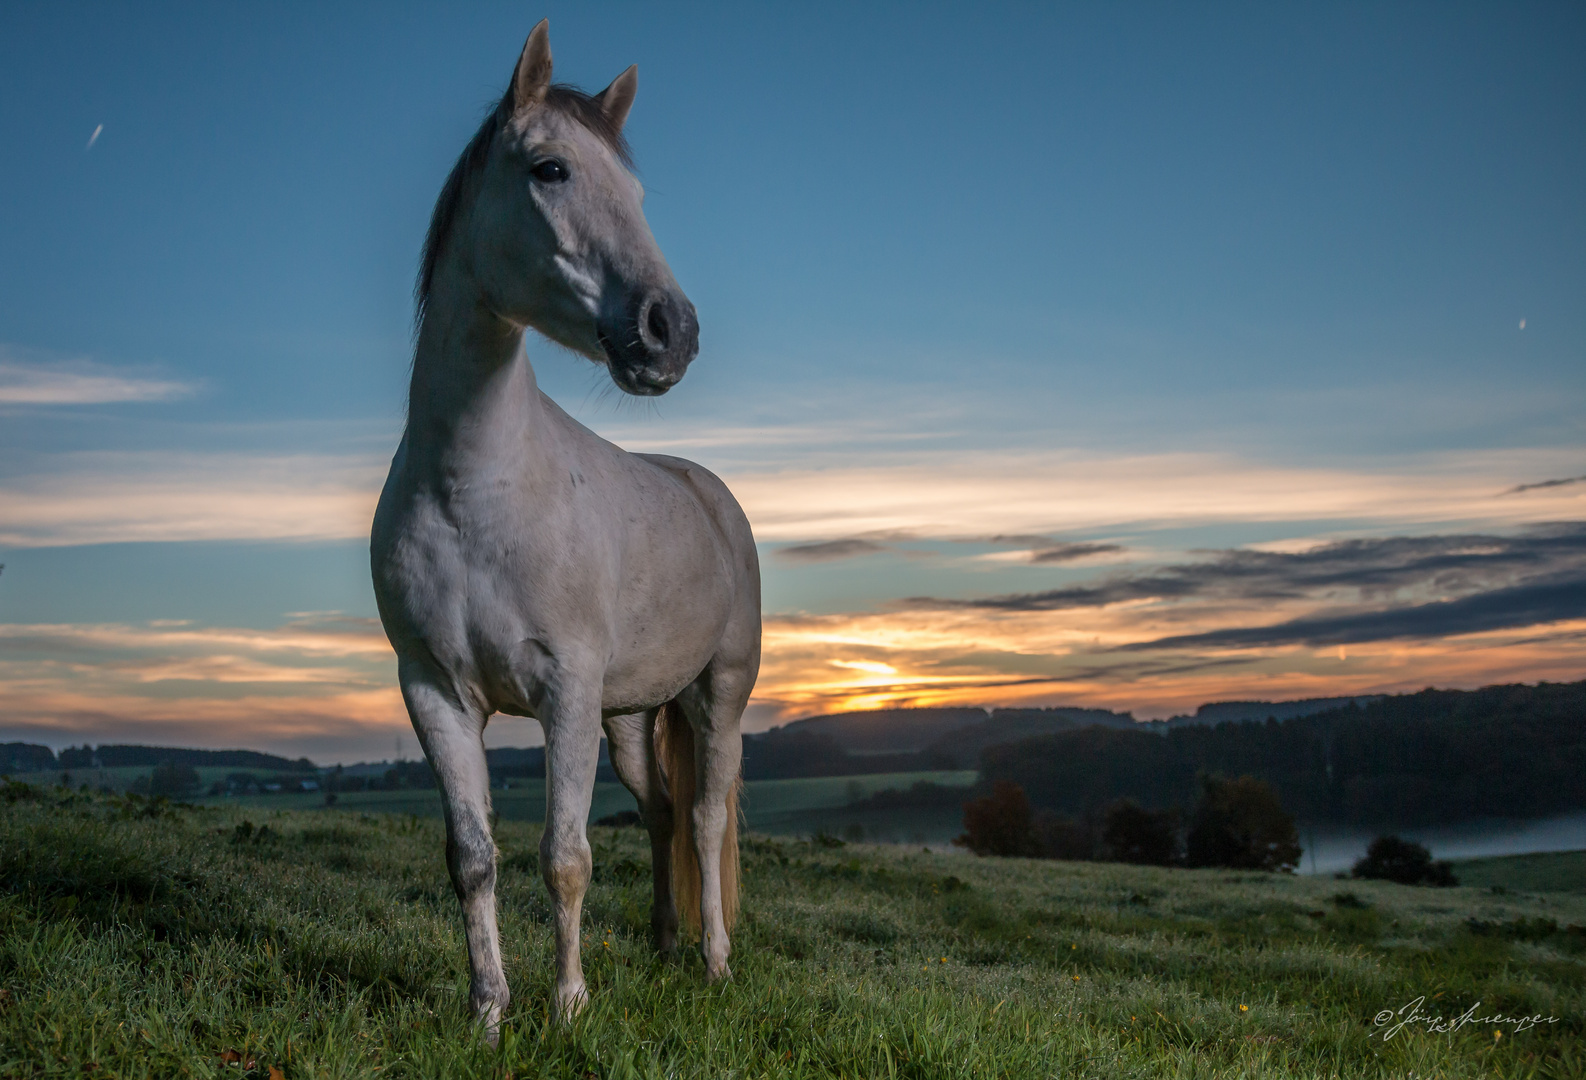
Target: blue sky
x,y
1176,283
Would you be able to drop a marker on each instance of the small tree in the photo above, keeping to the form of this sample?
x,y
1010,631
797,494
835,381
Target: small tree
x,y
173,781
1000,824
1241,824
1132,834
1065,837
1404,861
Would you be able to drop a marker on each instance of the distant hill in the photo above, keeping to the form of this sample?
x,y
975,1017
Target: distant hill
x,y
961,733
1439,756
504,763
885,731
1071,756
1222,712
110,756
962,746
904,740
526,761
21,757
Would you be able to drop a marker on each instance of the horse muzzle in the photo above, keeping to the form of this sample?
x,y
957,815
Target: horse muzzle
x,y
649,347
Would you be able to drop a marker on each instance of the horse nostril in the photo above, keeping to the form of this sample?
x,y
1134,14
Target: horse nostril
x,y
655,322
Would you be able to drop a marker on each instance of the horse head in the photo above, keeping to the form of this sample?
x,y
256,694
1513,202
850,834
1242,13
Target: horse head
x,y
544,216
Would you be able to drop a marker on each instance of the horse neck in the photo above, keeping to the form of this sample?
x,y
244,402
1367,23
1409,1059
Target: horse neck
x,y
473,404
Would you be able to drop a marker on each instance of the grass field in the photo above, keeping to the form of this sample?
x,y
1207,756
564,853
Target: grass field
x,y
1563,871
781,807
142,940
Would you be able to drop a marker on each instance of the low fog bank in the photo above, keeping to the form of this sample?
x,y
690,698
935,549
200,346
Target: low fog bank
x,y
1329,853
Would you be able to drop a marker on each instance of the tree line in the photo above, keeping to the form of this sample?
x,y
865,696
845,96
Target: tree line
x,y
1238,823
1407,760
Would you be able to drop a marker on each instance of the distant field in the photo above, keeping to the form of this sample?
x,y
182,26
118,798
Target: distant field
x,y
121,777
525,801
779,807
1559,871
804,807
141,941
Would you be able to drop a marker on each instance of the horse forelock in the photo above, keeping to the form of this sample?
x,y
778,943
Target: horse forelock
x,y
571,102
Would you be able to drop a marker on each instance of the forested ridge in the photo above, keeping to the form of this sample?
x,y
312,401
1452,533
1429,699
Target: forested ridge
x,y
1413,759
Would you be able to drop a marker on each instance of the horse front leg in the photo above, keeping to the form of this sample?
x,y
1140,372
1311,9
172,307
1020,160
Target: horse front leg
x,y
572,750
632,742
452,737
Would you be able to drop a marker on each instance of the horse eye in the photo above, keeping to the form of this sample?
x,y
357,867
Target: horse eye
x,y
550,171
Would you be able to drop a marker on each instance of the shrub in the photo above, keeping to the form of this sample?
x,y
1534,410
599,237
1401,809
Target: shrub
x,y
1132,834
1404,861
173,781
1000,824
1066,838
1240,824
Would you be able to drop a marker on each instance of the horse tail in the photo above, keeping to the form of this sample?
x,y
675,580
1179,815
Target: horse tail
x,y
674,737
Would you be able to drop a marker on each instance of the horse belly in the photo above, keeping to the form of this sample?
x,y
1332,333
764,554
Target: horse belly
x,y
668,620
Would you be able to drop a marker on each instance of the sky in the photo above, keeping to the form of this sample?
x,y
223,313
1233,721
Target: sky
x,y
1132,356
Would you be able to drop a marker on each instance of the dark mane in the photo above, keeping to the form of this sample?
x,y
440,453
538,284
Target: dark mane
x,y
567,100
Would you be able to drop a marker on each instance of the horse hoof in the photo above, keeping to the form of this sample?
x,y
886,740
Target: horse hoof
x,y
717,974
490,1022
570,1002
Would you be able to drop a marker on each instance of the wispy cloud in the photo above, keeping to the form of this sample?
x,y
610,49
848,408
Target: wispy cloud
x,y
963,496
322,683
1542,484
98,130
823,513
330,727
81,382
310,636
830,550
1367,568
1049,550
150,496
1519,606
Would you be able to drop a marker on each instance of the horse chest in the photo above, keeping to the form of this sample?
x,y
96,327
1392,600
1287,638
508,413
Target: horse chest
x,y
467,573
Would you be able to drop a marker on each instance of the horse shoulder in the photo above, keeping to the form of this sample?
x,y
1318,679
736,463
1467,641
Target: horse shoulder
x,y
709,489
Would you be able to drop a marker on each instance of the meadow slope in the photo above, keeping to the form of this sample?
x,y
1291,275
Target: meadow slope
x,y
138,939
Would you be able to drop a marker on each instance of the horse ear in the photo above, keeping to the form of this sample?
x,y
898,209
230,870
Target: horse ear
x,y
533,75
617,98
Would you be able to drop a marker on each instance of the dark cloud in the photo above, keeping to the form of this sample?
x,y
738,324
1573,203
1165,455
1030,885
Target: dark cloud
x,y
1059,553
1045,549
1499,609
1361,571
1545,484
867,543
1141,670
829,550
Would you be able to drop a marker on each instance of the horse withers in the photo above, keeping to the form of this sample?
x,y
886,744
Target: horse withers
x,y
524,565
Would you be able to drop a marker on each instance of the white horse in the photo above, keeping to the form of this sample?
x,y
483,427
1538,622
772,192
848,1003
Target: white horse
x,y
524,565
